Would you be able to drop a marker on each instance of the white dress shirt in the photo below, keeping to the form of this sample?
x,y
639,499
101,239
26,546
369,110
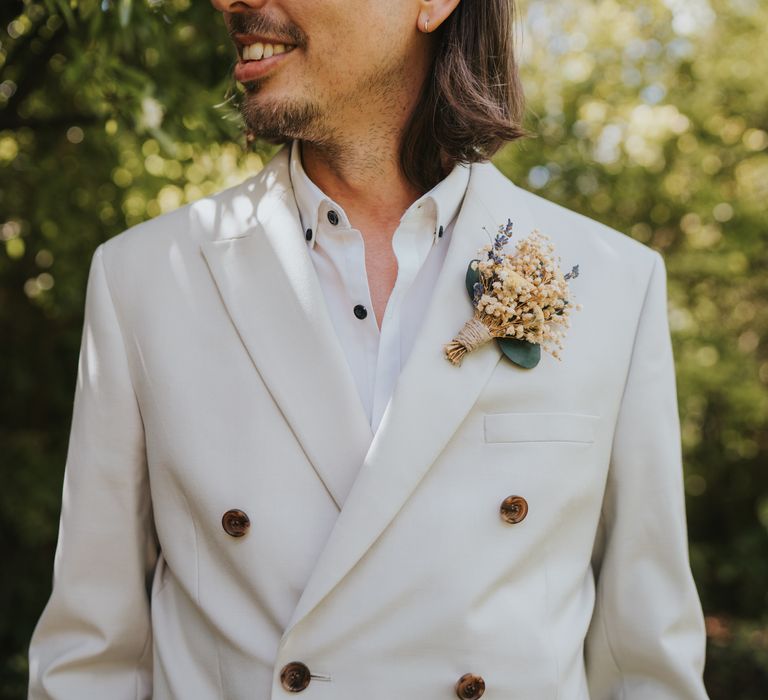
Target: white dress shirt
x,y
337,250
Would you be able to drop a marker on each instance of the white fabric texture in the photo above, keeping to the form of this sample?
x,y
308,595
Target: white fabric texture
x,y
375,357
211,381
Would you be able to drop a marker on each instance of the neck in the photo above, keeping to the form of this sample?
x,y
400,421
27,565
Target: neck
x,y
364,176
356,159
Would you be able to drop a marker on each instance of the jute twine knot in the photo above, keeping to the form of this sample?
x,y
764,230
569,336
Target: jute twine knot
x,y
472,336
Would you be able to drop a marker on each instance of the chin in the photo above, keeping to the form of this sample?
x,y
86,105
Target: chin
x,y
278,118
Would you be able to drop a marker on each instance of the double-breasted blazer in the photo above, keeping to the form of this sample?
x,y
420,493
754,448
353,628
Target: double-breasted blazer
x,y
231,529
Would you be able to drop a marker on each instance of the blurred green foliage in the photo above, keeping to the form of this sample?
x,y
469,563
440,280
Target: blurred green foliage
x,y
652,117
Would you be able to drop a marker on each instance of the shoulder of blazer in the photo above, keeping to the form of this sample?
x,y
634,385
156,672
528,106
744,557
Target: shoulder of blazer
x,y
150,249
228,213
594,240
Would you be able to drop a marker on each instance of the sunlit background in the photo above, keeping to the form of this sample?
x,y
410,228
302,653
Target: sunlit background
x,y
650,116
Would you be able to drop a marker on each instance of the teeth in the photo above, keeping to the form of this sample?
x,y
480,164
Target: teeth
x,y
253,52
257,51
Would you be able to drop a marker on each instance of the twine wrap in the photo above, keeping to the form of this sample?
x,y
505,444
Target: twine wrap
x,y
474,334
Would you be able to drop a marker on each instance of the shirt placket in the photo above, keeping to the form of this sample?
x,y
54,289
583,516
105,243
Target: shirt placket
x,y
346,248
412,242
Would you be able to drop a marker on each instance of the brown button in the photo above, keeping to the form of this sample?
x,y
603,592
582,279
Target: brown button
x,y
470,687
294,677
514,509
235,523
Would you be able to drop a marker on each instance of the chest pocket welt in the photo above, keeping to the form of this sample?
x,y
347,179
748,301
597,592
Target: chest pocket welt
x,y
540,427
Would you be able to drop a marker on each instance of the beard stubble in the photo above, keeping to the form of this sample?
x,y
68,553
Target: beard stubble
x,y
309,119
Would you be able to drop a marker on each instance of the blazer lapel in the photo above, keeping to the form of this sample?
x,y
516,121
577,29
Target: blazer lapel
x,y
269,286
431,397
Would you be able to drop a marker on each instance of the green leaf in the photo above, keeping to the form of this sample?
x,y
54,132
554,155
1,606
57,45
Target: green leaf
x,y
521,352
62,6
472,277
125,12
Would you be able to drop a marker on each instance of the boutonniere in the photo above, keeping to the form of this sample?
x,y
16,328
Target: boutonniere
x,y
521,299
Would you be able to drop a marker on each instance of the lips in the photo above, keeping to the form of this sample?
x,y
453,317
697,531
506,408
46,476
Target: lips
x,y
251,70
258,55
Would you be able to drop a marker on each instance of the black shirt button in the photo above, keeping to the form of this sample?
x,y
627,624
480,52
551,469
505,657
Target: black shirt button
x,y
440,232
333,217
361,311
308,234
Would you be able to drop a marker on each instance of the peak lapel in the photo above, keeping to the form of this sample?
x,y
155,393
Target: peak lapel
x,y
431,397
270,289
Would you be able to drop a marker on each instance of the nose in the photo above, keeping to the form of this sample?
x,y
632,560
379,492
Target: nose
x,y
238,5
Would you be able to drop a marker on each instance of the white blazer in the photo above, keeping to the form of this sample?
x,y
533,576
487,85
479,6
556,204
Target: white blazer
x,y
210,382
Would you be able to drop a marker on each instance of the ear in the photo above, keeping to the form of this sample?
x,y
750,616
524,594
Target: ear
x,y
432,13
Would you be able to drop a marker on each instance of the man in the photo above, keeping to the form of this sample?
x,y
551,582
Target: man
x,y
276,482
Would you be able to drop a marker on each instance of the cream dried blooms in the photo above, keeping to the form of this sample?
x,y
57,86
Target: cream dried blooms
x,y
522,295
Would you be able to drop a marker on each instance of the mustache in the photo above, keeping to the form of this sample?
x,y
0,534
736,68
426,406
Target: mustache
x,y
256,23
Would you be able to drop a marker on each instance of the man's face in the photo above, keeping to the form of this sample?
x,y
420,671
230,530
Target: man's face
x,y
342,62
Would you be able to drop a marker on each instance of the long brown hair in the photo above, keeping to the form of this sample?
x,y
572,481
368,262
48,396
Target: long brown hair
x,y
472,101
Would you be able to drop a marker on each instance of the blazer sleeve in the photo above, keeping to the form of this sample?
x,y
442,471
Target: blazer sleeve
x,y
94,637
646,640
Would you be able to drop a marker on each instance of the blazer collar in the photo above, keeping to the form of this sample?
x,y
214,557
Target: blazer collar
x,y
261,265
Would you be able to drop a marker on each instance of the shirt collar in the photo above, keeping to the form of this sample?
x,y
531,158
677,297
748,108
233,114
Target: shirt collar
x,y
443,201
310,199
